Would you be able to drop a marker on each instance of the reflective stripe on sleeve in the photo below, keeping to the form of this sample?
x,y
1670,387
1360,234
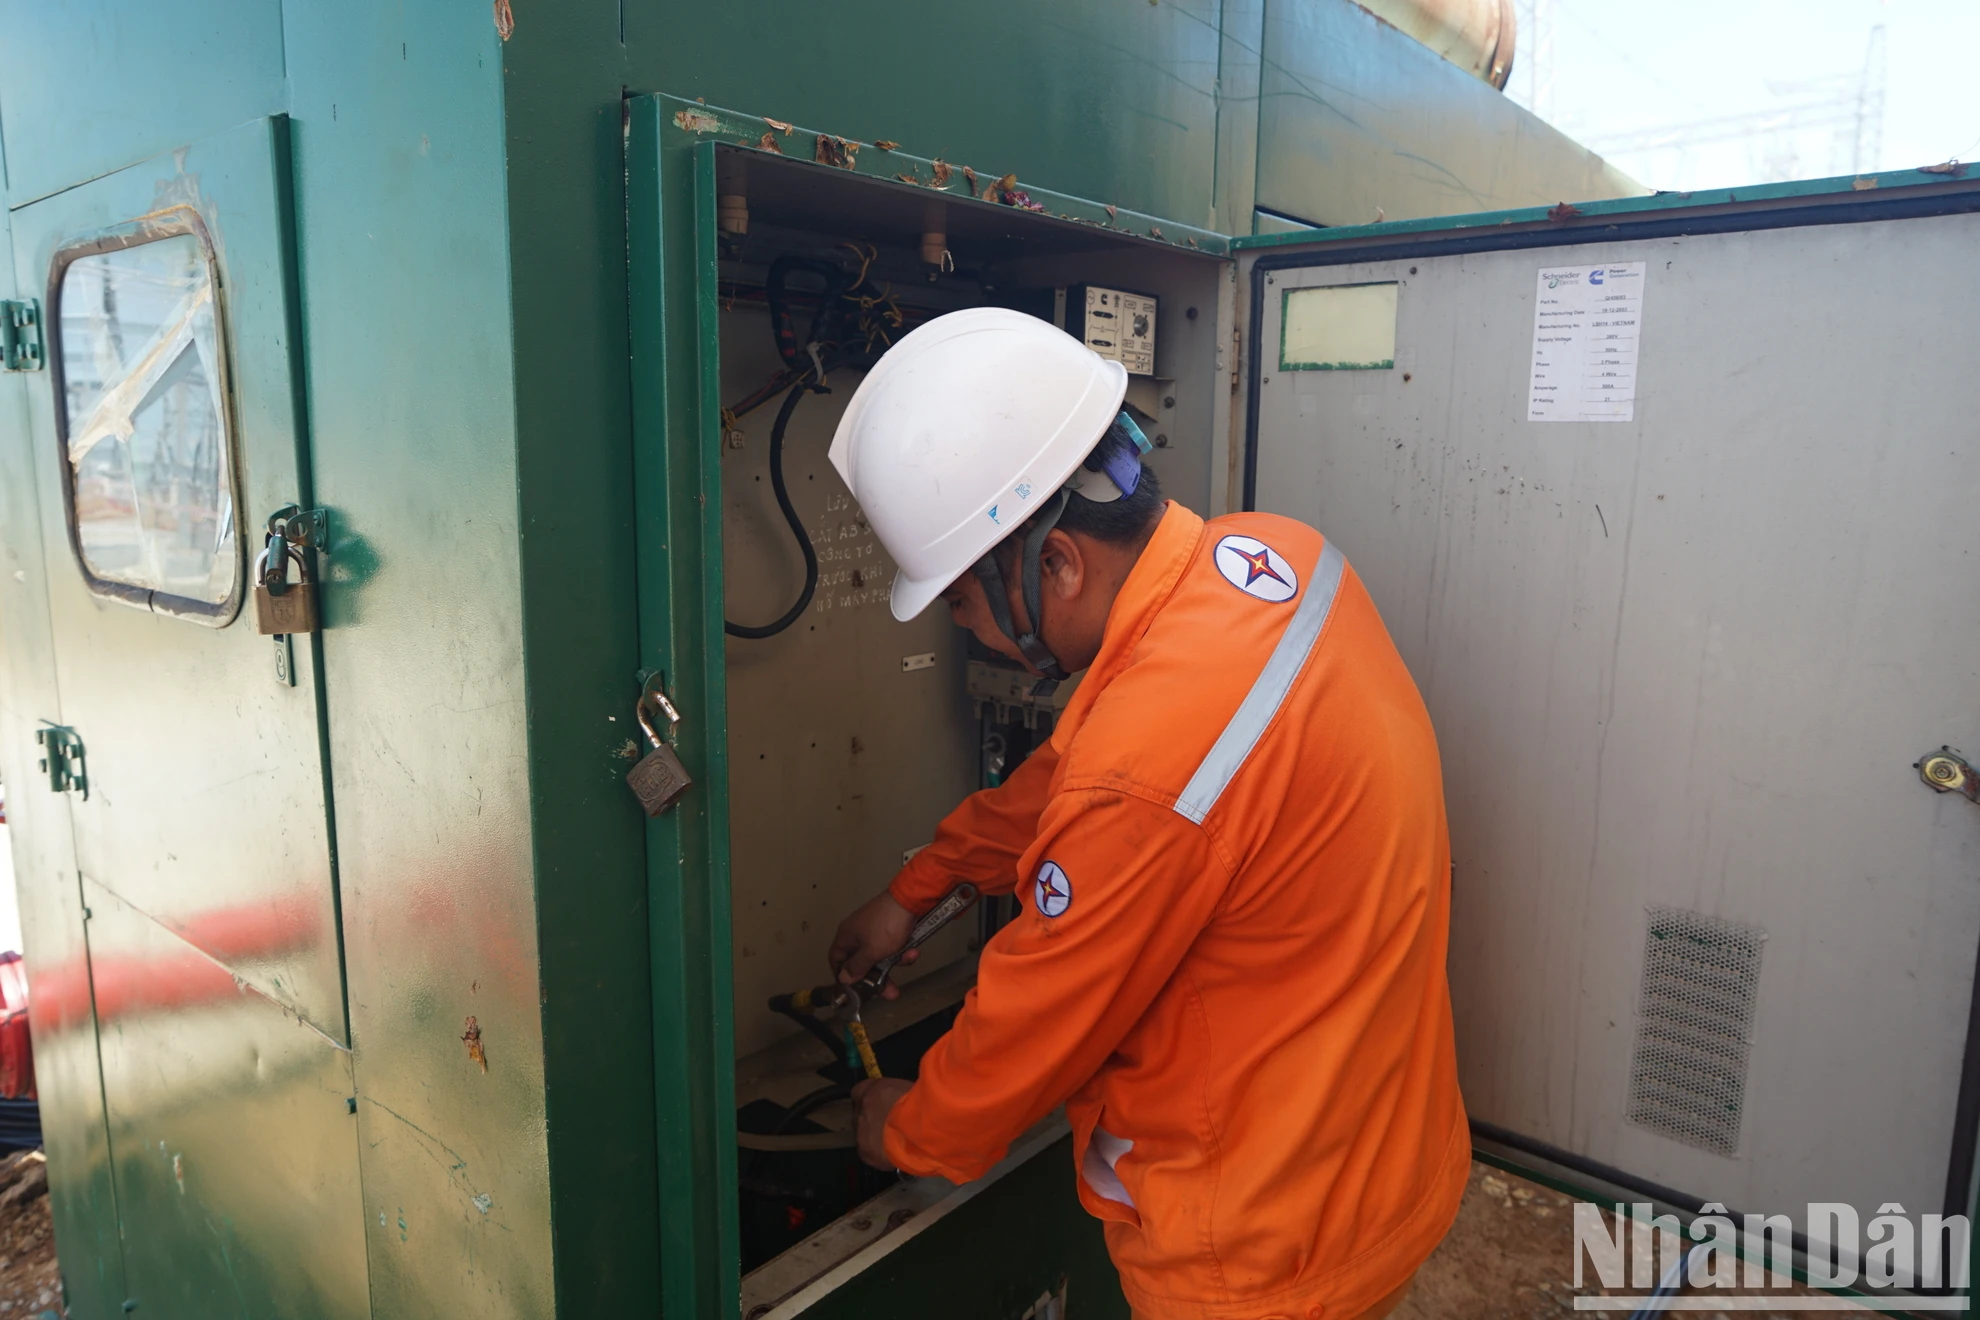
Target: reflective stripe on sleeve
x,y
1260,704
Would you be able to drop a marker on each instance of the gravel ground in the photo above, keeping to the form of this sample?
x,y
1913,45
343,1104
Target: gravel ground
x,y
1510,1256
29,1279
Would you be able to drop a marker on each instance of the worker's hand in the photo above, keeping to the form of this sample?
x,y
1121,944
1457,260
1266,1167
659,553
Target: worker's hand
x,y
871,933
874,1101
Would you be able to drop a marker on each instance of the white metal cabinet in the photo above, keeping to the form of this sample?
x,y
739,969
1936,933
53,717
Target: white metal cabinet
x,y
1682,663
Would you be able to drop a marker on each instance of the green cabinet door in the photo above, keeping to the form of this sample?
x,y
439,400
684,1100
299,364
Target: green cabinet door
x,y
167,428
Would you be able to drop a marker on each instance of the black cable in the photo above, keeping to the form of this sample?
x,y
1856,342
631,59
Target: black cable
x,y
843,331
782,1004
824,1095
791,615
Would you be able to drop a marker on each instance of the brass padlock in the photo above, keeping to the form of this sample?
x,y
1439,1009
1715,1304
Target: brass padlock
x,y
659,779
282,607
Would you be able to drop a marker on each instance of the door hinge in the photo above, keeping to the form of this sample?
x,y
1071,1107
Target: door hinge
x,y
62,760
20,335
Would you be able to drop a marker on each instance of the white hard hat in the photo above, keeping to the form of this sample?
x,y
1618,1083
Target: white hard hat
x,y
962,430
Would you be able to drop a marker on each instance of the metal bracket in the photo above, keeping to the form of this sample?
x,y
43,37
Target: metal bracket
x,y
20,335
301,527
1946,771
62,760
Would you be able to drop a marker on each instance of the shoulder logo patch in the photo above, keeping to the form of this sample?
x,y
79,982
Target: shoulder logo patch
x,y
1052,890
1255,568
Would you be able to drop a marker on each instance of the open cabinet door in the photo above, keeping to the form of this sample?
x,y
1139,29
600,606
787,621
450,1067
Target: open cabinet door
x,y
1669,506
826,745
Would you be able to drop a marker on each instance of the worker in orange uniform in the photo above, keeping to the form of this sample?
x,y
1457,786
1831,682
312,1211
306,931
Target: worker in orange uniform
x,y
1231,857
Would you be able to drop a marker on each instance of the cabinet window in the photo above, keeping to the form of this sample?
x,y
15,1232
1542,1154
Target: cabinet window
x,y
1339,327
142,394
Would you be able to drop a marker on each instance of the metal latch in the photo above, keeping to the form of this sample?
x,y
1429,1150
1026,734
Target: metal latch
x,y
301,527
1946,771
62,760
20,335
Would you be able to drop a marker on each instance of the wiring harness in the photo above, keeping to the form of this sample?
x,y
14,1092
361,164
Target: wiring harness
x,y
853,324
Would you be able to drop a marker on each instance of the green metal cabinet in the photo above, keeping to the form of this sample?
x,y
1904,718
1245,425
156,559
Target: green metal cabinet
x,y
212,951
361,984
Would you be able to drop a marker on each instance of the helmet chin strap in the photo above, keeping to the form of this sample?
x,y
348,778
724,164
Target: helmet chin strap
x,y
1030,644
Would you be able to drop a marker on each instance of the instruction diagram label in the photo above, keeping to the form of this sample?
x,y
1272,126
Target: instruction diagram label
x,y
1586,321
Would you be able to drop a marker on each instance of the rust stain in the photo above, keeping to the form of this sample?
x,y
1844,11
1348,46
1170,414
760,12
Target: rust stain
x,y
942,171
778,124
1154,231
1564,211
885,145
693,121
768,142
473,1038
505,20
913,179
969,177
1952,167
1863,184
1111,211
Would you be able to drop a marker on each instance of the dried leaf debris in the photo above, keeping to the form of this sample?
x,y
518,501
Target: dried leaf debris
x,y
835,151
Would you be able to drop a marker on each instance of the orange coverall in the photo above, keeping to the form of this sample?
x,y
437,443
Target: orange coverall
x,y
1229,964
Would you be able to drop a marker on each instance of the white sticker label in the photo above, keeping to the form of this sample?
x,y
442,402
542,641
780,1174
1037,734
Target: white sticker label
x,y
1015,505
1586,321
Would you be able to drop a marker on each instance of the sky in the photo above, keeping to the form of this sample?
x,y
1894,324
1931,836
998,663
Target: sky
x,y
1789,88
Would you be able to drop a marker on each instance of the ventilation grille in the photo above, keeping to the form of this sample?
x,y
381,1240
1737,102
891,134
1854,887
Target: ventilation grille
x,y
1694,1026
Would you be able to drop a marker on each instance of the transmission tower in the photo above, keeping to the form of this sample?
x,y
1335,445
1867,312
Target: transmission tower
x,y
1535,65
1848,109
1869,143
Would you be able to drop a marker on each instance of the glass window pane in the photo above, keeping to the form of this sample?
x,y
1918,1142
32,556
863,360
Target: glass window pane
x,y
147,440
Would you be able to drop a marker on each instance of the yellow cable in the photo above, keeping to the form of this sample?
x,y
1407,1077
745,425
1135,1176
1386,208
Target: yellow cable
x,y
865,1047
